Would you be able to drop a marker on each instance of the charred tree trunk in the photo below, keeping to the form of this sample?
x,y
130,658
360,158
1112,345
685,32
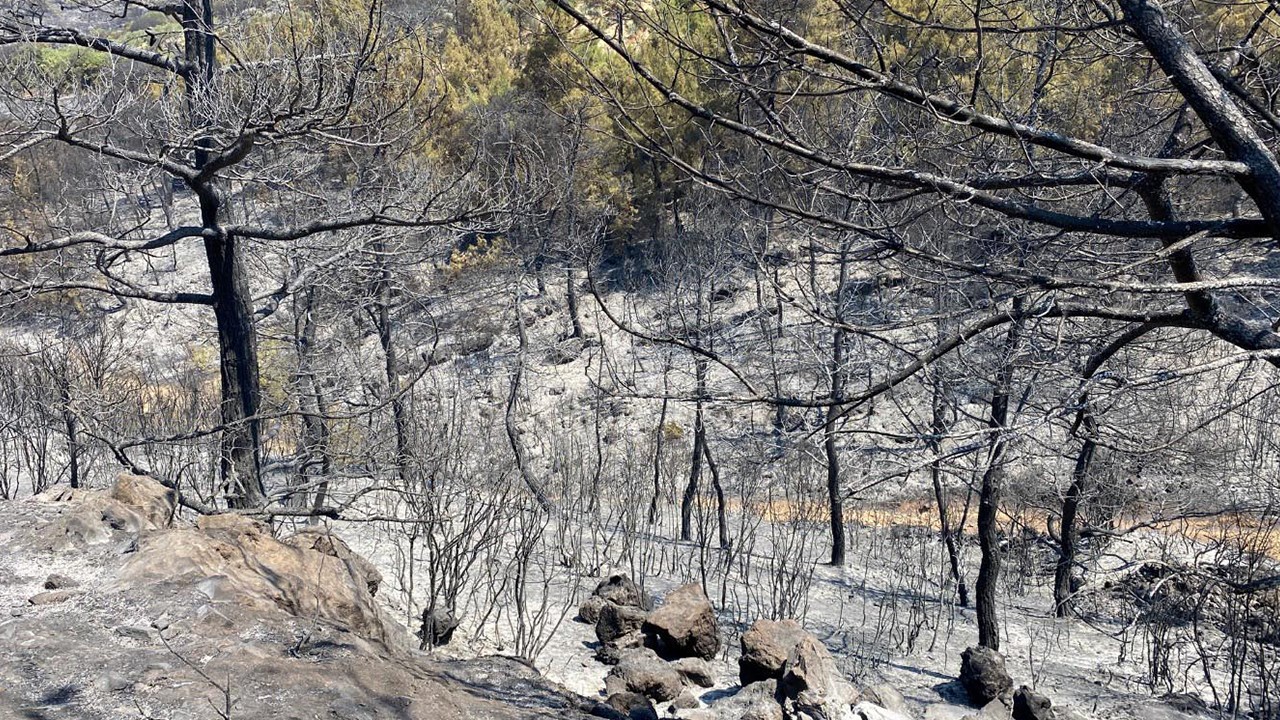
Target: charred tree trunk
x,y
241,458
722,517
384,292
938,426
317,465
695,464
71,425
571,295
991,489
1086,426
835,503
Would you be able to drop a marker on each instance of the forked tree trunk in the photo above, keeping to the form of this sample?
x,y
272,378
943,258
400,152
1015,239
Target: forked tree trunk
x,y
695,463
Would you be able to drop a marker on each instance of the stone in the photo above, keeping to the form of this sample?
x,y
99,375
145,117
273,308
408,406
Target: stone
x,y
765,647
437,628
812,686
983,675
756,701
686,701
685,625
622,590
943,711
994,710
132,632
1031,705
610,653
865,710
59,582
113,682
50,597
641,671
695,671
632,706
618,620
589,610
147,496
887,697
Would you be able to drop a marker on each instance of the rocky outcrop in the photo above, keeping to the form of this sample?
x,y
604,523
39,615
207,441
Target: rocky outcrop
x,y
765,648
166,621
983,675
685,625
234,559
322,540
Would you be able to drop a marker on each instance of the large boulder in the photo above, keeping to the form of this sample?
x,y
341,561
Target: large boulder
x,y
983,675
148,497
1031,705
765,648
812,686
615,621
641,671
685,625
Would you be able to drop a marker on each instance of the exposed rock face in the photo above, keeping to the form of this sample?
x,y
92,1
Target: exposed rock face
x,y
232,558
272,621
616,621
765,648
155,502
641,671
685,625
322,540
983,675
812,686
1031,705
